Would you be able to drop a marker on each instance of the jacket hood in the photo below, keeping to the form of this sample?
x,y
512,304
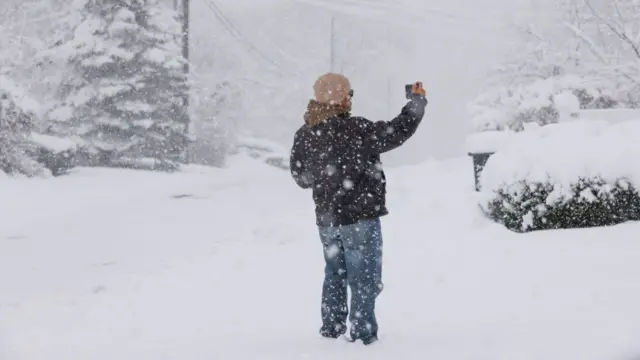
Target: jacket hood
x,y
318,112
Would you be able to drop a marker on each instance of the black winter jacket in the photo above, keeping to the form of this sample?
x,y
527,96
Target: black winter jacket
x,y
338,156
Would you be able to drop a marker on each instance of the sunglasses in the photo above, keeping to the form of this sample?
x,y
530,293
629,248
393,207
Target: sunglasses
x,y
351,93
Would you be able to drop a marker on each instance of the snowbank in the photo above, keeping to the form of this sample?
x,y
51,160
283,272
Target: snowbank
x,y
563,153
610,115
490,141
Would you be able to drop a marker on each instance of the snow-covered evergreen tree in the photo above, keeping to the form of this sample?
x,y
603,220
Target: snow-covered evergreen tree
x,y
124,94
17,115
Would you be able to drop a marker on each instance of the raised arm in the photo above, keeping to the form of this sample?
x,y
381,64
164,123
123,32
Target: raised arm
x,y
382,136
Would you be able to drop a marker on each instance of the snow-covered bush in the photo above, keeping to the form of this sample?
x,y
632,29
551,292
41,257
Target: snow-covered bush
x,y
578,174
592,202
17,116
267,151
56,154
124,95
540,102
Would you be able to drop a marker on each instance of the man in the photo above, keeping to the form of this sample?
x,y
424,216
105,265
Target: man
x,y
338,157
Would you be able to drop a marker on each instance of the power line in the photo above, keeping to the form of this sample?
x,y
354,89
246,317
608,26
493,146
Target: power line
x,y
234,32
380,12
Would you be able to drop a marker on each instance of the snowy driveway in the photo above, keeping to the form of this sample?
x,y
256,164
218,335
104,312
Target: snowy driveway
x,y
225,264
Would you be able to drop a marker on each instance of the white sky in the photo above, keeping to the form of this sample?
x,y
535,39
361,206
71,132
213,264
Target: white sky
x,y
449,44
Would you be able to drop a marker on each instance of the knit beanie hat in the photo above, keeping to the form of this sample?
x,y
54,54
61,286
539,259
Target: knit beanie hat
x,y
331,88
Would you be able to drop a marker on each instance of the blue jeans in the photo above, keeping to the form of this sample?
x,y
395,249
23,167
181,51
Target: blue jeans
x,y
353,256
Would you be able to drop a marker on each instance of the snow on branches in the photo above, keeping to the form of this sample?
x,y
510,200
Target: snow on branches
x,y
17,116
589,49
124,94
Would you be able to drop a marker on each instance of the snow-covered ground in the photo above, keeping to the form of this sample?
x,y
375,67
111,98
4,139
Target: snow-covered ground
x,y
226,264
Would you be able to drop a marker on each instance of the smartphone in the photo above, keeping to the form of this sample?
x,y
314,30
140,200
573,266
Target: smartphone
x,y
408,91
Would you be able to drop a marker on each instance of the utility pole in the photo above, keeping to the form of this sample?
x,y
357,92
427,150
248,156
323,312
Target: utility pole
x,y
388,31
185,55
332,46
185,44
388,97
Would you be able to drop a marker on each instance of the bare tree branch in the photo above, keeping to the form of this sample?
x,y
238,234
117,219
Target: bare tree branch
x,y
621,33
587,40
617,8
626,39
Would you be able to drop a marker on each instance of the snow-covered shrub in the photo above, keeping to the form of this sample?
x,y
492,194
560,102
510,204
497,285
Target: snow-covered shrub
x,y
578,174
590,202
540,102
267,151
151,164
124,96
17,116
56,154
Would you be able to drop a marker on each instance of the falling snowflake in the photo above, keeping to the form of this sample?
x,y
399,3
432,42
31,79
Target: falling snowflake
x,y
332,251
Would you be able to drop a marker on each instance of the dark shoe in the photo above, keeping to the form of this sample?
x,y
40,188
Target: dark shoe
x,y
367,341
370,340
332,333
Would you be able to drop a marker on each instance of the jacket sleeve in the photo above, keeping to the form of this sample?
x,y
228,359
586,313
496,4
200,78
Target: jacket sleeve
x,y
297,163
383,136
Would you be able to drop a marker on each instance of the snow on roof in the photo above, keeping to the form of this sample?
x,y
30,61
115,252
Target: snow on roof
x,y
611,115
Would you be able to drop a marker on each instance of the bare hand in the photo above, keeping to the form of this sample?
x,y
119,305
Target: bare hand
x,y
418,89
